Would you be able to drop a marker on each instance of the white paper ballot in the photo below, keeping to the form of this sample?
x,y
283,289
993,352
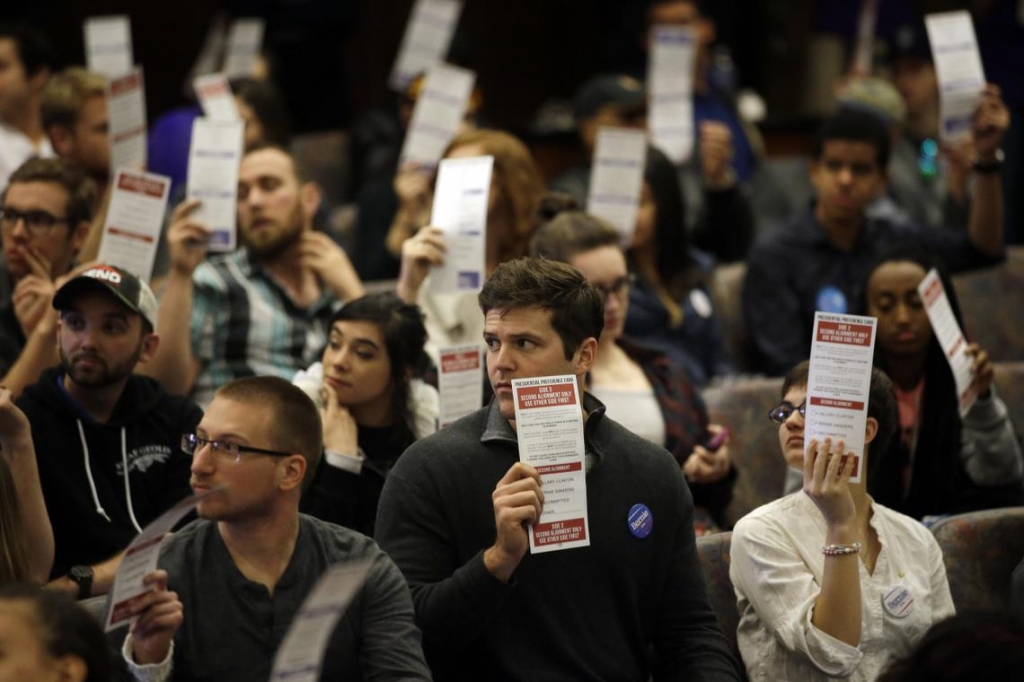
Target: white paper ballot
x,y
864,51
215,97
245,40
108,45
428,35
670,91
549,427
134,220
301,654
839,382
950,337
439,112
460,382
460,210
958,66
213,162
140,559
126,116
617,178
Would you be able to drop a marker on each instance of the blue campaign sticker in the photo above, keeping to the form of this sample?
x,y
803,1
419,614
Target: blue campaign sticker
x,y
830,300
898,602
641,521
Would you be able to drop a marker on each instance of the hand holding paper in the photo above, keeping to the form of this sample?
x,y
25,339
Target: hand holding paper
x,y
160,613
827,480
187,238
420,253
518,503
991,120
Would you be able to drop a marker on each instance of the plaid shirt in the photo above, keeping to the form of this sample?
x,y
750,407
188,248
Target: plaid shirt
x,y
245,324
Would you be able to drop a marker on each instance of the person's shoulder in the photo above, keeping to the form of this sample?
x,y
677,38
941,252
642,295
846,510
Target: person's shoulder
x,y
218,269
340,543
910,529
771,515
640,453
151,395
181,542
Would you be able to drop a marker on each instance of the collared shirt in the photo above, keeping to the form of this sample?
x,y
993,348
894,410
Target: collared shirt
x,y
798,270
777,568
245,324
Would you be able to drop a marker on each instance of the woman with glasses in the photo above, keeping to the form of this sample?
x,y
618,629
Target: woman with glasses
x,y
942,462
830,583
670,305
640,386
372,408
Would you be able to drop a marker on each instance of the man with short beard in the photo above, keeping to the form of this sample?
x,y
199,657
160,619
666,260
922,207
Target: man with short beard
x,y
107,441
263,309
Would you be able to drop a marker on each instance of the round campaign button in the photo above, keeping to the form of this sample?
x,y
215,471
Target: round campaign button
x,y
830,300
898,602
641,521
701,303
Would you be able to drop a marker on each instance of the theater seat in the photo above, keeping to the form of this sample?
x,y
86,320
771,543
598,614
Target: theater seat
x,y
980,551
990,301
1009,381
713,551
727,290
753,444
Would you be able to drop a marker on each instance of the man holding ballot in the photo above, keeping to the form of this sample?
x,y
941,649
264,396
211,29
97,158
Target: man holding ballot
x,y
461,511
263,309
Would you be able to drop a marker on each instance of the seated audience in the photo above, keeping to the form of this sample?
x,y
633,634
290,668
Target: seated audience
x,y
26,61
456,509
230,583
816,261
44,221
642,389
941,463
516,189
263,309
371,407
26,538
74,114
670,306
107,440
47,636
829,583
964,648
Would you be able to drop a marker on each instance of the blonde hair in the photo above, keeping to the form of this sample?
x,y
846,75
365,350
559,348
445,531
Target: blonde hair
x,y
13,551
520,181
65,95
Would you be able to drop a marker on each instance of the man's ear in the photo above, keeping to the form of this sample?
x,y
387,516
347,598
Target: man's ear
x,y
293,471
870,430
62,140
38,81
310,197
149,345
586,354
78,235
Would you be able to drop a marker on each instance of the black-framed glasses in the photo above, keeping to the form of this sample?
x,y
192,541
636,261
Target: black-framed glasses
x,y
224,450
781,412
38,223
619,287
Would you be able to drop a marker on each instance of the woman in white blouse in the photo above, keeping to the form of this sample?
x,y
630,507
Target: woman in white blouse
x,y
830,584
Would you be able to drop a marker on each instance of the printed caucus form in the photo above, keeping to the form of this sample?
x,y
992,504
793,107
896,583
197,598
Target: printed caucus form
x,y
617,178
245,40
428,35
126,112
140,559
301,654
950,337
549,427
670,91
213,162
215,97
460,382
839,382
439,112
134,219
460,210
958,66
108,45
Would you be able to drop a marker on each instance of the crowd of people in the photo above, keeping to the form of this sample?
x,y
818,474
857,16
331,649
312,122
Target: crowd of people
x,y
305,411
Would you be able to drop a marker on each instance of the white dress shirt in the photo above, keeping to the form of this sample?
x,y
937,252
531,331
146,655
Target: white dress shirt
x,y
777,568
16,149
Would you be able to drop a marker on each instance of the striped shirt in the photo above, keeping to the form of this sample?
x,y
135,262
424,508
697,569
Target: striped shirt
x,y
245,324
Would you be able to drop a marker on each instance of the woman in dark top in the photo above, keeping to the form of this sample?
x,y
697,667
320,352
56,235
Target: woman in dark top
x,y
372,409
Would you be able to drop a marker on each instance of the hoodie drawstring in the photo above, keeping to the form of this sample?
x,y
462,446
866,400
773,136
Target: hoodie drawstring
x,y
88,472
124,470
127,487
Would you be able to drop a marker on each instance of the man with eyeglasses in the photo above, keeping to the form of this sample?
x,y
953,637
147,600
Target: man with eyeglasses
x,y
44,220
231,582
107,440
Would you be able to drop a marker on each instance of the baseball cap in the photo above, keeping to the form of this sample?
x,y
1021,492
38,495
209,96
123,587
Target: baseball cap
x,y
622,90
877,96
911,40
126,287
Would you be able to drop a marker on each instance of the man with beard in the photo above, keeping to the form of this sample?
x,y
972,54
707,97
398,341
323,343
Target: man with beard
x,y
264,309
107,441
74,112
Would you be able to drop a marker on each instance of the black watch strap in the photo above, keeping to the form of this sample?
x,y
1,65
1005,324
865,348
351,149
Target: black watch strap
x,y
82,576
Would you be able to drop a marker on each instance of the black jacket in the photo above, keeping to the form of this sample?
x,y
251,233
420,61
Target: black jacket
x,y
81,464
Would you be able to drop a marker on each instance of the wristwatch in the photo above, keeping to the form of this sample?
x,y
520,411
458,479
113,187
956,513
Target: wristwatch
x,y
991,166
82,576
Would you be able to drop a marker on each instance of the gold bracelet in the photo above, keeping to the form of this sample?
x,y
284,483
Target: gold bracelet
x,y
840,550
